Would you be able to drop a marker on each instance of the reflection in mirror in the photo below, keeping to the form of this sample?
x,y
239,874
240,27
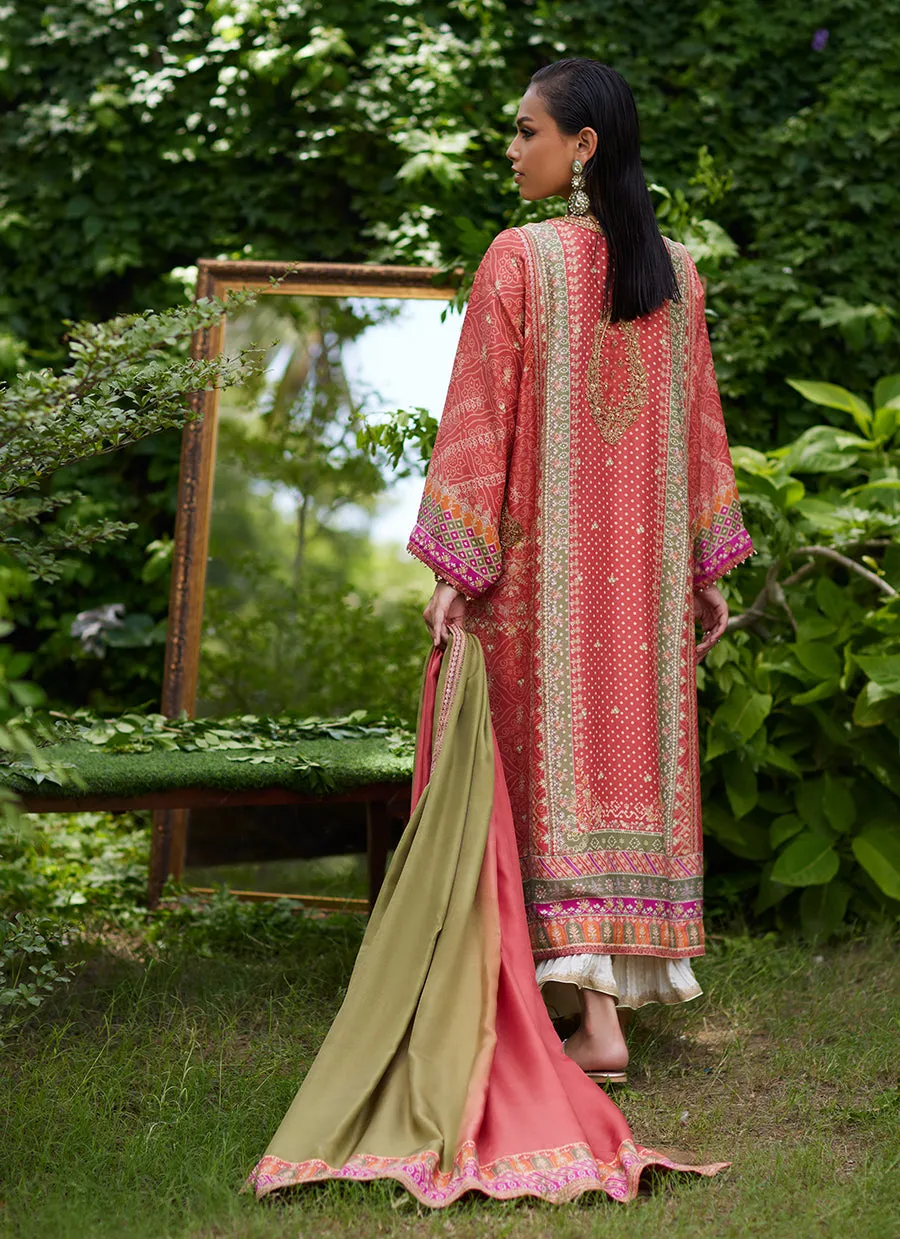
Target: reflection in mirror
x,y
311,603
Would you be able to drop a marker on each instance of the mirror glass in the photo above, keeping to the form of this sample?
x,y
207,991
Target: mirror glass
x,y
312,604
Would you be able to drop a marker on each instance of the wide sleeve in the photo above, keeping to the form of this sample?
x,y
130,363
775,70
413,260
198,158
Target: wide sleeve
x,y
457,530
718,536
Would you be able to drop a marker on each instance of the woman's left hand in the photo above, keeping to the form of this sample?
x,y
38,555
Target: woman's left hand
x,y
446,606
711,610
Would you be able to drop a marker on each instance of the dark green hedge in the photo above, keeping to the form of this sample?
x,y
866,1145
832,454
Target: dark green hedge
x,y
139,137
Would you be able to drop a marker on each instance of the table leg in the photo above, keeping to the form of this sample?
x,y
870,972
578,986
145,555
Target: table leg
x,y
167,848
378,838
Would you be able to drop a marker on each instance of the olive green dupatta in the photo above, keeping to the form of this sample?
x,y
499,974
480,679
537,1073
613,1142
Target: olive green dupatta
x,y
442,1069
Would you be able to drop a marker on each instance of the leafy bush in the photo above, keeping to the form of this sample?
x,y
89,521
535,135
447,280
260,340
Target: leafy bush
x,y
28,972
92,866
801,707
271,646
223,924
126,380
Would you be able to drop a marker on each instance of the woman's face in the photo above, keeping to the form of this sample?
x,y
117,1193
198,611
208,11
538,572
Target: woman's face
x,y
541,155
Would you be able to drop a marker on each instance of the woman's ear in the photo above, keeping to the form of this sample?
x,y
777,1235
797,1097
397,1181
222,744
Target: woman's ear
x,y
587,144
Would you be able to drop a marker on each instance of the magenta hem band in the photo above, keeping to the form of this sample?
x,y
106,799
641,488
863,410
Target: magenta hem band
x,y
663,908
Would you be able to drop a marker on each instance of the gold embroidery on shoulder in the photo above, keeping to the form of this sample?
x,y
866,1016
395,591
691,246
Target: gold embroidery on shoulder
x,y
613,417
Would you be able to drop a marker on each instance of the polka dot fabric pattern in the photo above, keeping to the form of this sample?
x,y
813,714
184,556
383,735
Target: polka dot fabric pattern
x,y
602,447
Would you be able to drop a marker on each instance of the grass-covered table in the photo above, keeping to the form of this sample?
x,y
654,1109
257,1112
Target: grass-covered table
x,y
189,764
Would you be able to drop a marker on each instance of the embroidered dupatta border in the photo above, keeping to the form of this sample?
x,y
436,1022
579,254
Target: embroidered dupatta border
x,y
554,1175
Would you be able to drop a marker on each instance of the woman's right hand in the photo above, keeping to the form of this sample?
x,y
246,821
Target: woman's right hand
x,y
711,611
446,606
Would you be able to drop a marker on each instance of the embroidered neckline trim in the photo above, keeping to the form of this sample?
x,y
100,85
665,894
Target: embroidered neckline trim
x,y
584,221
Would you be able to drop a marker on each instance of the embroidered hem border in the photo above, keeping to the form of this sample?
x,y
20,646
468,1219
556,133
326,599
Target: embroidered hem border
x,y
617,948
554,1175
625,926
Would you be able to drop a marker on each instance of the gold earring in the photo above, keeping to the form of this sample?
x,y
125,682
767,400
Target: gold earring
x,y
579,203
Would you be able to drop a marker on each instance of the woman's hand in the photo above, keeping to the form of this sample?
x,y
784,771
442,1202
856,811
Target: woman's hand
x,y
711,609
446,605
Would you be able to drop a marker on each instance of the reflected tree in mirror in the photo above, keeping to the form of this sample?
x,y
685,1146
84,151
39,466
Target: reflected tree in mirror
x,y
302,612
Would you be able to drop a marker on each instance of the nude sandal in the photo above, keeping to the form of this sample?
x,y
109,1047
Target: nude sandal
x,y
602,1077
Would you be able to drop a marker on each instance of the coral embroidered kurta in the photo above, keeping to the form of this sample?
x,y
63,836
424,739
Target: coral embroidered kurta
x,y
580,488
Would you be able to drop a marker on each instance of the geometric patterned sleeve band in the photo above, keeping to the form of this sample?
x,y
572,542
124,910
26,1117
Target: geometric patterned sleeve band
x,y
720,540
456,544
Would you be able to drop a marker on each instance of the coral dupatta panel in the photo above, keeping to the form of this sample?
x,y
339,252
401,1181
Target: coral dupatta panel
x,y
580,488
442,1069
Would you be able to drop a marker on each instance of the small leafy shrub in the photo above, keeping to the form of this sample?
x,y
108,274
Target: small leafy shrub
x,y
28,972
310,649
93,866
225,925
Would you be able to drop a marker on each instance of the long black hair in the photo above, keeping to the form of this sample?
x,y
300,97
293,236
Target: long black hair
x,y
580,93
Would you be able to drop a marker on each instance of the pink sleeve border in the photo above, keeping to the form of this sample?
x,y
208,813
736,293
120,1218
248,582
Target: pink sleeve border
x,y
436,557
723,559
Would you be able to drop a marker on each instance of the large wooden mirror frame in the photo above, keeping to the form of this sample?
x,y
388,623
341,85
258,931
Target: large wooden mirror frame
x,y
217,277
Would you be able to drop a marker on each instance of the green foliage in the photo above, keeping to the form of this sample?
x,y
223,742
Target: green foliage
x,y
57,876
405,436
21,733
29,974
15,690
322,646
223,924
142,733
127,379
801,771
255,740
90,866
293,426
368,122
300,613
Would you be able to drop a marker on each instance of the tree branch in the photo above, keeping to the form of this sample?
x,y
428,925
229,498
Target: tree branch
x,y
773,590
828,552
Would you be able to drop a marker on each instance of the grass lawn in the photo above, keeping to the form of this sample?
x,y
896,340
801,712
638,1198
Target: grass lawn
x,y
138,1099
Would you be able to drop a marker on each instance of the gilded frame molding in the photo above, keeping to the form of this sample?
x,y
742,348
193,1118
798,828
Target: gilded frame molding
x,y
215,278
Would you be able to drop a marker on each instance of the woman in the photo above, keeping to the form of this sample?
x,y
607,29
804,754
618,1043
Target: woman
x,y
579,506
581,448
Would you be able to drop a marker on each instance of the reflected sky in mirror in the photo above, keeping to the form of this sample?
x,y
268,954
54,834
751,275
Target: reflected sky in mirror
x,y
408,362
402,363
